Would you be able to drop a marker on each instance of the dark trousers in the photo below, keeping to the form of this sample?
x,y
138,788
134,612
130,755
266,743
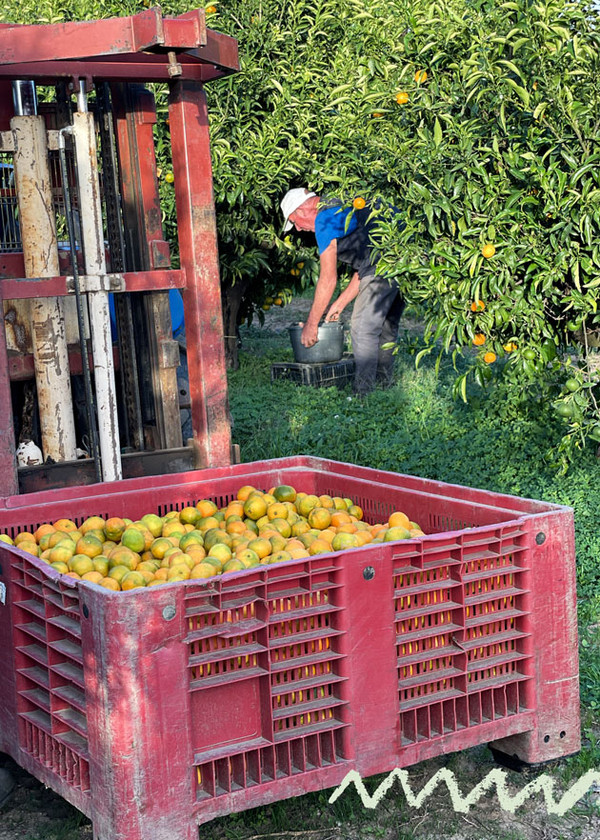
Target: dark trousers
x,y
375,320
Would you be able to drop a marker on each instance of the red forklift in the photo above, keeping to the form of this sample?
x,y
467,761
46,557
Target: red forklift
x,y
86,345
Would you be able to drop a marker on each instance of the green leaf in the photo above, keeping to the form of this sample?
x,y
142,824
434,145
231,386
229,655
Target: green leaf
x,y
520,91
437,132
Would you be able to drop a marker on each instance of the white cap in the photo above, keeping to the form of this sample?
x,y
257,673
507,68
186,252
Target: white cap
x,y
290,203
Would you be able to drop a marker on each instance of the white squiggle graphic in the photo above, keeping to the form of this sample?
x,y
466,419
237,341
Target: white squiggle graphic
x,y
462,804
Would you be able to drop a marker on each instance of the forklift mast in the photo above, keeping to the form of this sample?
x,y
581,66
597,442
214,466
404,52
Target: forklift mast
x,y
81,219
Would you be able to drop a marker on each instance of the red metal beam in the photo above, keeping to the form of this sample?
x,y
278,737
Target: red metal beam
x,y
117,49
21,288
147,30
196,224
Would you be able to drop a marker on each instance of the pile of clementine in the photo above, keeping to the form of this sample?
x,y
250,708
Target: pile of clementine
x,y
202,540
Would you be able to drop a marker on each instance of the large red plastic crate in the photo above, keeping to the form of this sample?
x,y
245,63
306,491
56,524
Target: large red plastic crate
x,y
155,710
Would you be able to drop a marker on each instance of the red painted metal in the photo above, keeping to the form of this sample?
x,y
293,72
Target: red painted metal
x,y
71,50
188,121
20,288
148,30
155,710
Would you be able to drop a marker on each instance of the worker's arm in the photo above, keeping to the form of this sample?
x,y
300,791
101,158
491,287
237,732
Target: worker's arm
x,y
348,295
324,289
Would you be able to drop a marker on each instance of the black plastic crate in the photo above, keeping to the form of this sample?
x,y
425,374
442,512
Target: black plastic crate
x,y
319,376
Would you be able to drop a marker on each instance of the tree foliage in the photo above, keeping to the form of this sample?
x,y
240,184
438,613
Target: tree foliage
x,y
479,120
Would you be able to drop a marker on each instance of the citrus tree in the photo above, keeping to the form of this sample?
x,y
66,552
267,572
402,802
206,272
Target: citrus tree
x,y
478,120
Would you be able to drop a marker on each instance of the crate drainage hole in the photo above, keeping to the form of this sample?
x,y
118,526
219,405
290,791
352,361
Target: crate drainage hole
x,y
168,613
368,573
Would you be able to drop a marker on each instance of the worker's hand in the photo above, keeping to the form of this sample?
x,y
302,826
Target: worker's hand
x,y
334,312
309,334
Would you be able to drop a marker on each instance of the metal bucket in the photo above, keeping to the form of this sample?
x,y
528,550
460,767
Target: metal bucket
x,y
329,347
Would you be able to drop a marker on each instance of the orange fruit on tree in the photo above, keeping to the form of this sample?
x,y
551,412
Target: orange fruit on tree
x,y
489,358
488,250
510,347
359,203
402,97
477,306
478,339
420,76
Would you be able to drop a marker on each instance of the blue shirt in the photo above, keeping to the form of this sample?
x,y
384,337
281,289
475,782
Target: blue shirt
x,y
332,223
